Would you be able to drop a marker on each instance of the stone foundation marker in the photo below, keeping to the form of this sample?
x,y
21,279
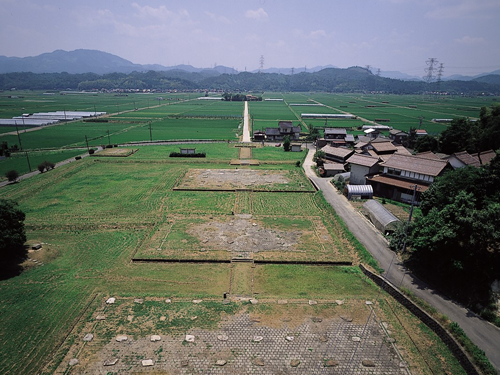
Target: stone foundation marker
x,y
111,300
73,361
88,337
110,362
147,362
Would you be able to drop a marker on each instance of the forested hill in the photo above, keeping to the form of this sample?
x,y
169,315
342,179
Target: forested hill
x,y
354,79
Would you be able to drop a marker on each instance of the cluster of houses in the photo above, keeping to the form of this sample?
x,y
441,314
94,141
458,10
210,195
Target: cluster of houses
x,y
285,128
382,166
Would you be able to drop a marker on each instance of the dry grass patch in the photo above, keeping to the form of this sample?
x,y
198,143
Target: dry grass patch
x,y
260,237
118,152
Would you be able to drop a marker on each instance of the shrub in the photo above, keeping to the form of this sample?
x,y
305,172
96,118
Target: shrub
x,y
12,175
78,157
109,146
196,155
45,166
91,151
297,163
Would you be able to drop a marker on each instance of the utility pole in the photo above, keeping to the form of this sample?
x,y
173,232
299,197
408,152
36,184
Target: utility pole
x,y
28,160
109,140
150,133
18,137
87,142
439,76
409,216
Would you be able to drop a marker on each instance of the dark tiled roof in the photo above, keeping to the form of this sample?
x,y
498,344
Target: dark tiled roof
x,y
384,147
272,131
386,180
486,156
339,152
364,160
339,131
411,163
466,158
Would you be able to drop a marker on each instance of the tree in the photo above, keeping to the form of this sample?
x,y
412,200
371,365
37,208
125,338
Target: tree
x,y
426,143
318,158
46,165
12,235
313,133
456,240
12,175
287,143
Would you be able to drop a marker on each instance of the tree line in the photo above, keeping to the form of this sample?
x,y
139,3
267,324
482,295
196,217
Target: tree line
x,y
328,80
455,240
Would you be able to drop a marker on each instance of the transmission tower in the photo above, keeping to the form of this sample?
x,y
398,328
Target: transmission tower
x,y
378,72
368,67
439,76
431,64
292,70
261,63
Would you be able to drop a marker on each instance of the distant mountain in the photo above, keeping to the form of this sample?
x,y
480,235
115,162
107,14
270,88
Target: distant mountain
x,y
493,79
78,61
88,61
399,75
288,71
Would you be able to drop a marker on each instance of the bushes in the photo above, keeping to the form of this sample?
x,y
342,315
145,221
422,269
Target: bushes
x,y
180,155
12,175
46,166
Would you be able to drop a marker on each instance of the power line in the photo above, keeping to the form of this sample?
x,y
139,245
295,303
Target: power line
x,y
431,63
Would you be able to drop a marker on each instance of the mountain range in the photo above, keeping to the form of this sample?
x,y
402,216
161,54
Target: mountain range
x,y
98,62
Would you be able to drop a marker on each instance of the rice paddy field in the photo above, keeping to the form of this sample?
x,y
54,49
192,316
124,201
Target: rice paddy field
x,y
121,227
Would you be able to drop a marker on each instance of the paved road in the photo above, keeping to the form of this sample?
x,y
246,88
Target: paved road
x,y
246,125
483,334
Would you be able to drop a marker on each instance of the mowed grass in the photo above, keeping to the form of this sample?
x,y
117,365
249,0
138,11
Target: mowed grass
x,y
19,162
311,282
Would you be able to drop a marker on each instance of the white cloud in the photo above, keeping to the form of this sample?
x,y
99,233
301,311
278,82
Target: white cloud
x,y
161,13
219,19
259,14
470,40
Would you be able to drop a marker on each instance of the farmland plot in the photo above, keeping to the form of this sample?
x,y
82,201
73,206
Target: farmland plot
x,y
247,179
95,215
226,237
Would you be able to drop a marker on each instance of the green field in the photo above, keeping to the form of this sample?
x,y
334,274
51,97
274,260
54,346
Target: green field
x,y
96,215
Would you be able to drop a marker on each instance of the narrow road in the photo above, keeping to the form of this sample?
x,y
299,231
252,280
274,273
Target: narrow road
x,y
61,163
246,125
485,335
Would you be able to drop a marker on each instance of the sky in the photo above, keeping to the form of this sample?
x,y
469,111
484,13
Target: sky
x,y
390,35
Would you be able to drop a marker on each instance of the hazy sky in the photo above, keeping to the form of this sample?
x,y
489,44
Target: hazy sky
x,y
400,35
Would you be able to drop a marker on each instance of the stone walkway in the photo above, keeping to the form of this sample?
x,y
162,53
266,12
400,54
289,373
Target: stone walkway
x,y
243,346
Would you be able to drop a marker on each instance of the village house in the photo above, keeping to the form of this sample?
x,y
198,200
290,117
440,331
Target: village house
x,y
337,154
398,136
485,156
421,132
462,159
285,128
331,169
361,166
401,173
